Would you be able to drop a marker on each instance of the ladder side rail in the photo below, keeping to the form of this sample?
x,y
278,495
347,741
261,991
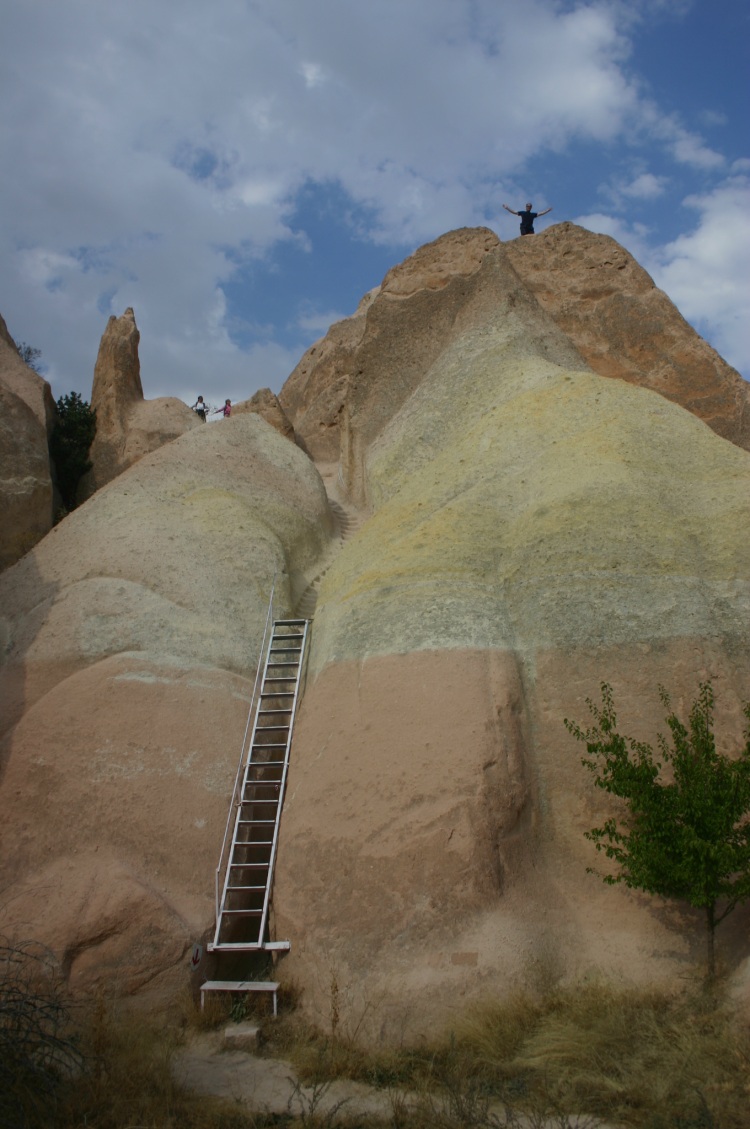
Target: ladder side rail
x,y
252,712
249,764
238,806
282,787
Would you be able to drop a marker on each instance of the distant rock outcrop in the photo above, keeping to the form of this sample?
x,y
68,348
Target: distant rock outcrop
x,y
127,426
266,405
27,414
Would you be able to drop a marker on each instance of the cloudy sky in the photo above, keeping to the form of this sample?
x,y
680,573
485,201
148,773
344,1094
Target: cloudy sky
x,y
242,172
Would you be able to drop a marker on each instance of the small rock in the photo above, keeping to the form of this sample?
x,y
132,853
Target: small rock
x,y
241,1037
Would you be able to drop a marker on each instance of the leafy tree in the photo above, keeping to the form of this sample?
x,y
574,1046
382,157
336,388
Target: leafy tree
x,y
30,356
71,439
686,833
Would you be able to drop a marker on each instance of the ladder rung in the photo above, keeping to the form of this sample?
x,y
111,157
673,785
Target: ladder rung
x,y
269,745
248,865
262,712
235,889
250,822
288,679
280,693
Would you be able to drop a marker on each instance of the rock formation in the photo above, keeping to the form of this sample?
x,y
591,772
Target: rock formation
x,y
130,640
266,404
625,327
536,528
27,414
533,527
127,426
610,313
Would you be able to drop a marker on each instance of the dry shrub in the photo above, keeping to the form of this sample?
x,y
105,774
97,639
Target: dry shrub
x,y
646,1057
38,1048
127,1081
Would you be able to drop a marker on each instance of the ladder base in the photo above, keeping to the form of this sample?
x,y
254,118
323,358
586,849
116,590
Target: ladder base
x,y
250,947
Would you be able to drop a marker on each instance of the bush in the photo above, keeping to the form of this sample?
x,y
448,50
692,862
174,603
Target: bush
x,y
37,1046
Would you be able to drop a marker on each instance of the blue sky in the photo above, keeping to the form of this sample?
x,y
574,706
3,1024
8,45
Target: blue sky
x,y
241,173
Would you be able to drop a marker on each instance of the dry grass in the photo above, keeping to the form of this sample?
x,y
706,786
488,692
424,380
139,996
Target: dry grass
x,y
640,1059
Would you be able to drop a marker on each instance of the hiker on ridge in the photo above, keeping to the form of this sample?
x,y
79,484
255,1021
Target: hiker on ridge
x,y
527,218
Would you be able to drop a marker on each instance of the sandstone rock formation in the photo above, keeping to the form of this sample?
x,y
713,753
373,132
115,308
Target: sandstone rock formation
x,y
536,528
612,317
127,426
27,414
130,637
533,527
266,404
624,326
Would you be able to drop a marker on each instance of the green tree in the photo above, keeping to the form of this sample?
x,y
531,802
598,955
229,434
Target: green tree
x,y
30,356
686,831
71,439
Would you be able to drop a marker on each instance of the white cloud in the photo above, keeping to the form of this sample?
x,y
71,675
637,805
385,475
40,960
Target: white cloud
x,y
645,187
705,271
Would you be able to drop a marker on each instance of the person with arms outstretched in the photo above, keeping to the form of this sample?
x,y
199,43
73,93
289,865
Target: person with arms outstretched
x,y
527,218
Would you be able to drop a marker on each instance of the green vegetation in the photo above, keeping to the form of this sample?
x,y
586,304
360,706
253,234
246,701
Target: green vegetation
x,y
71,439
30,356
686,833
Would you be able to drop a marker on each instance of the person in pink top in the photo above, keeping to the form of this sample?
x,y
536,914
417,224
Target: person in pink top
x,y
226,411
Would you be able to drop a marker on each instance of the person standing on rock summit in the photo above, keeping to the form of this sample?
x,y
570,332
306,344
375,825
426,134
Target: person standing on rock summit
x,y
226,411
527,218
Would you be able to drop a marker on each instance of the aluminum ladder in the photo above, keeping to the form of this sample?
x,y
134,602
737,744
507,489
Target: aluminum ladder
x,y
242,911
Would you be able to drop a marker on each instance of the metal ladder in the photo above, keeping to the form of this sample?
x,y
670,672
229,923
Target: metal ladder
x,y
242,911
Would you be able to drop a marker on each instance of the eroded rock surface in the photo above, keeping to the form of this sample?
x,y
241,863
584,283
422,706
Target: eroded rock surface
x,y
266,404
130,641
127,426
603,309
27,414
536,528
625,327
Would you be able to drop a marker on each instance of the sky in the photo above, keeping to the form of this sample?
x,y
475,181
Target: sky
x,y
242,172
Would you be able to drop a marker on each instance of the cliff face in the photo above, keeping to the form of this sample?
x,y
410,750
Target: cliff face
x,y
532,527
535,528
27,415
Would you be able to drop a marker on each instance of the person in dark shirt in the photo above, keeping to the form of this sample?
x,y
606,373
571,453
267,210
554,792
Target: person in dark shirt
x,y
527,218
